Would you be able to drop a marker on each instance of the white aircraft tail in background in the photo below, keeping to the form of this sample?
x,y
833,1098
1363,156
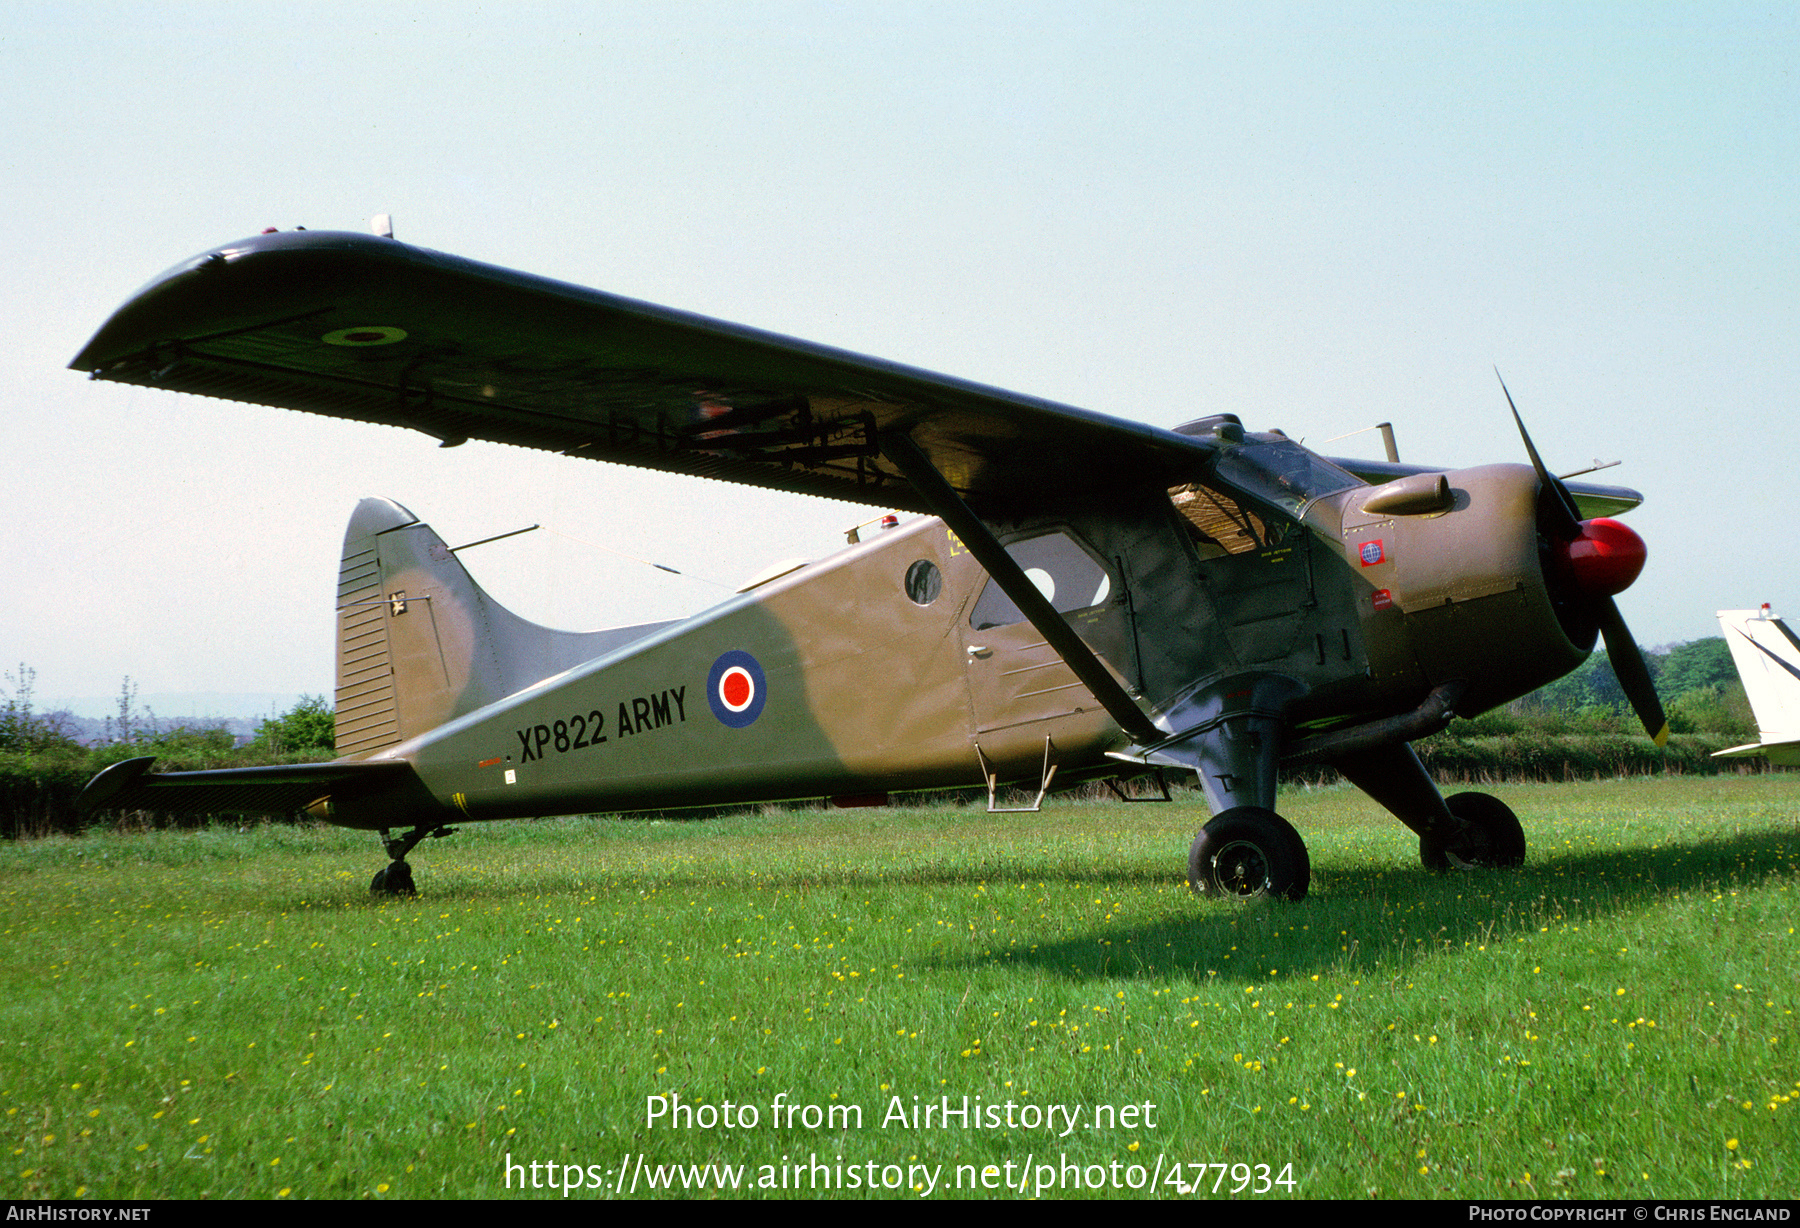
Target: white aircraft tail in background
x,y
1767,657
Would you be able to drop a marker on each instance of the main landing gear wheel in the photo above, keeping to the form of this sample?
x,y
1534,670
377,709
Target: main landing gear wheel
x,y
1489,835
1247,852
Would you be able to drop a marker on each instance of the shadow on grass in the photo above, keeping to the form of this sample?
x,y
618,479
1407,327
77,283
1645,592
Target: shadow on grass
x,y
1366,917
1384,920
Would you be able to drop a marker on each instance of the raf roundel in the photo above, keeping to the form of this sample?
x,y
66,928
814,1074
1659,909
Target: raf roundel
x,y
735,688
366,334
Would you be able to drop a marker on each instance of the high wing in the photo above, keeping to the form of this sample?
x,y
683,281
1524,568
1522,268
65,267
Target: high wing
x,y
375,330
367,328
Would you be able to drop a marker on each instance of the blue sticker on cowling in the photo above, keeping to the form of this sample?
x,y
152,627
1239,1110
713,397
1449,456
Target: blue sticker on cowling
x,y
735,688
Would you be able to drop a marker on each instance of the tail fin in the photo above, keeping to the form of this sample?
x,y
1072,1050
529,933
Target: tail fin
x,y
1767,657
419,642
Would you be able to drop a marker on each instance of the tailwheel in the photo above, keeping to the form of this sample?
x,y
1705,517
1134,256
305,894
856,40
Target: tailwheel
x,y
1246,852
395,878
1488,834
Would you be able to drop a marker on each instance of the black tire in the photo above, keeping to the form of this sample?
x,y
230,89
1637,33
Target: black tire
x,y
1491,835
395,878
1247,852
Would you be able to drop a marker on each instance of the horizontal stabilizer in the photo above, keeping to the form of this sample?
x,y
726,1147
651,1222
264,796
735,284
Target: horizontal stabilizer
x,y
1779,754
277,790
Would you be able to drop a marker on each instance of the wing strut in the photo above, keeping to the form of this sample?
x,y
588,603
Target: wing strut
x,y
943,500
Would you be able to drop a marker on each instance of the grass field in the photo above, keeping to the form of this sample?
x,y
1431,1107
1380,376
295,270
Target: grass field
x,y
226,1014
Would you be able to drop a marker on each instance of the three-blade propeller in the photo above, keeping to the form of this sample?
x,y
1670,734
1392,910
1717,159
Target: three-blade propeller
x,y
1599,558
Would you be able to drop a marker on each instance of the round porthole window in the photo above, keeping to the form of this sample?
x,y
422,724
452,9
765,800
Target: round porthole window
x,y
924,582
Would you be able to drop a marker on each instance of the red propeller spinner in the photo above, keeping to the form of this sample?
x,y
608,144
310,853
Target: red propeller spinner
x,y
1606,558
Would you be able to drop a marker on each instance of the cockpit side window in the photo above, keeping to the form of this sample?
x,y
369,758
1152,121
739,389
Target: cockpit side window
x,y
1218,523
1255,488
1067,575
1282,472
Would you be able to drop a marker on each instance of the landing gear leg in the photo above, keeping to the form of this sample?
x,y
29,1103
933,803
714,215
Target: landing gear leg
x,y
396,878
1231,740
1468,829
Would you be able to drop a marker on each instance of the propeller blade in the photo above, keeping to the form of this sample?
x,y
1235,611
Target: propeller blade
x,y
1567,526
1634,676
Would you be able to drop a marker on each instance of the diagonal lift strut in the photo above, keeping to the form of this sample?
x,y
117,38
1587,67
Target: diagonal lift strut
x,y
943,500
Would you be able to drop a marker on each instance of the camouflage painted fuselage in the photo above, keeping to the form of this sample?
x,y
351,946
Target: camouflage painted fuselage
x,y
896,664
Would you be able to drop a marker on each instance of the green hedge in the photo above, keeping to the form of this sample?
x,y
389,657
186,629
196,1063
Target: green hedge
x,y
1531,756
37,792
37,799
1528,756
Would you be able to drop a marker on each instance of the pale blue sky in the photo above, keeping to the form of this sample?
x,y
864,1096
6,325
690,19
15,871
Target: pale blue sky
x,y
1315,217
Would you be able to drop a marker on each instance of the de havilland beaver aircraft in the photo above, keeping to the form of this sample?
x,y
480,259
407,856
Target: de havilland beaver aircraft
x,y
1085,597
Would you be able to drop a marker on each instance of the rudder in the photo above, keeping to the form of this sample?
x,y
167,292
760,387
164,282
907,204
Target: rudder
x,y
1768,661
